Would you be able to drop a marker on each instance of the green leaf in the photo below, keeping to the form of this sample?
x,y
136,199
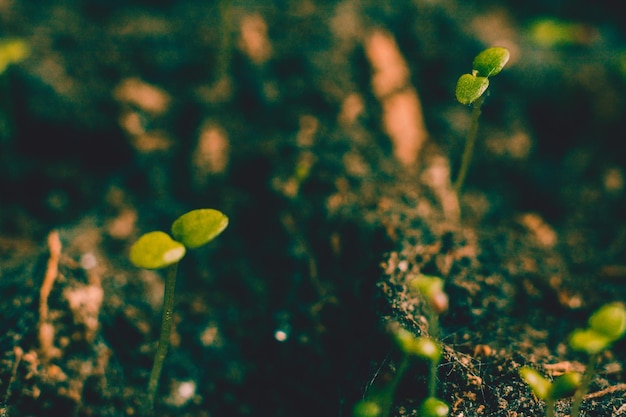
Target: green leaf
x,y
428,285
156,250
470,87
367,408
427,348
491,61
610,321
405,340
423,347
433,407
537,382
565,385
431,288
588,341
199,227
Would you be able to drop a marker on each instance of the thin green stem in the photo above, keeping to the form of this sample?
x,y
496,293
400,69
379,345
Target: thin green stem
x,y
433,320
584,385
550,410
469,146
433,323
164,339
432,381
389,391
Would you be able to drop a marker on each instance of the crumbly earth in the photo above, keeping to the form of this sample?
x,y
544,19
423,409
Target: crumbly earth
x,y
329,134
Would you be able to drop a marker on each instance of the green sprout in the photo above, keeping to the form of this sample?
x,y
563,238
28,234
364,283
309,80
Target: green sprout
x,y
550,391
470,89
606,326
157,250
367,408
436,299
433,407
425,347
378,403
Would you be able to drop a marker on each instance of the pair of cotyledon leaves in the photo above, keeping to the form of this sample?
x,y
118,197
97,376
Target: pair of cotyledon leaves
x,y
420,346
565,385
606,326
155,250
489,62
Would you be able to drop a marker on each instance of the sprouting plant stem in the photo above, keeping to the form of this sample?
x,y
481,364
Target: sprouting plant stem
x,y
389,391
584,385
164,339
433,320
433,323
469,146
550,411
432,381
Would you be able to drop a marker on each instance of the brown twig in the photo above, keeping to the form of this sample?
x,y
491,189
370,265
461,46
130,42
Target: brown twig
x,y
609,390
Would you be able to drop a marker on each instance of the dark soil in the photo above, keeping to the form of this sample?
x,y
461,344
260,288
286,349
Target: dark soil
x,y
328,132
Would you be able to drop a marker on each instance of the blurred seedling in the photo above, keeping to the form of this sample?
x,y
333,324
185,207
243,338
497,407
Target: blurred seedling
x,y
554,33
470,90
379,403
606,326
551,391
157,250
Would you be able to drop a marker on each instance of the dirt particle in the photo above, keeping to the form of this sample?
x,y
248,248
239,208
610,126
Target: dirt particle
x,y
142,95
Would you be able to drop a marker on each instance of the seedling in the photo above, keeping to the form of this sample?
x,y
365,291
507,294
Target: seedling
x,y
431,288
606,326
433,407
157,250
550,391
425,347
379,401
378,404
470,90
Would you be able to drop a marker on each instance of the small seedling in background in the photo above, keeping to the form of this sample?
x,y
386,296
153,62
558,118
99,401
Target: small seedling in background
x,y
436,299
433,407
551,391
554,33
470,89
606,326
427,348
431,288
379,403
157,250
